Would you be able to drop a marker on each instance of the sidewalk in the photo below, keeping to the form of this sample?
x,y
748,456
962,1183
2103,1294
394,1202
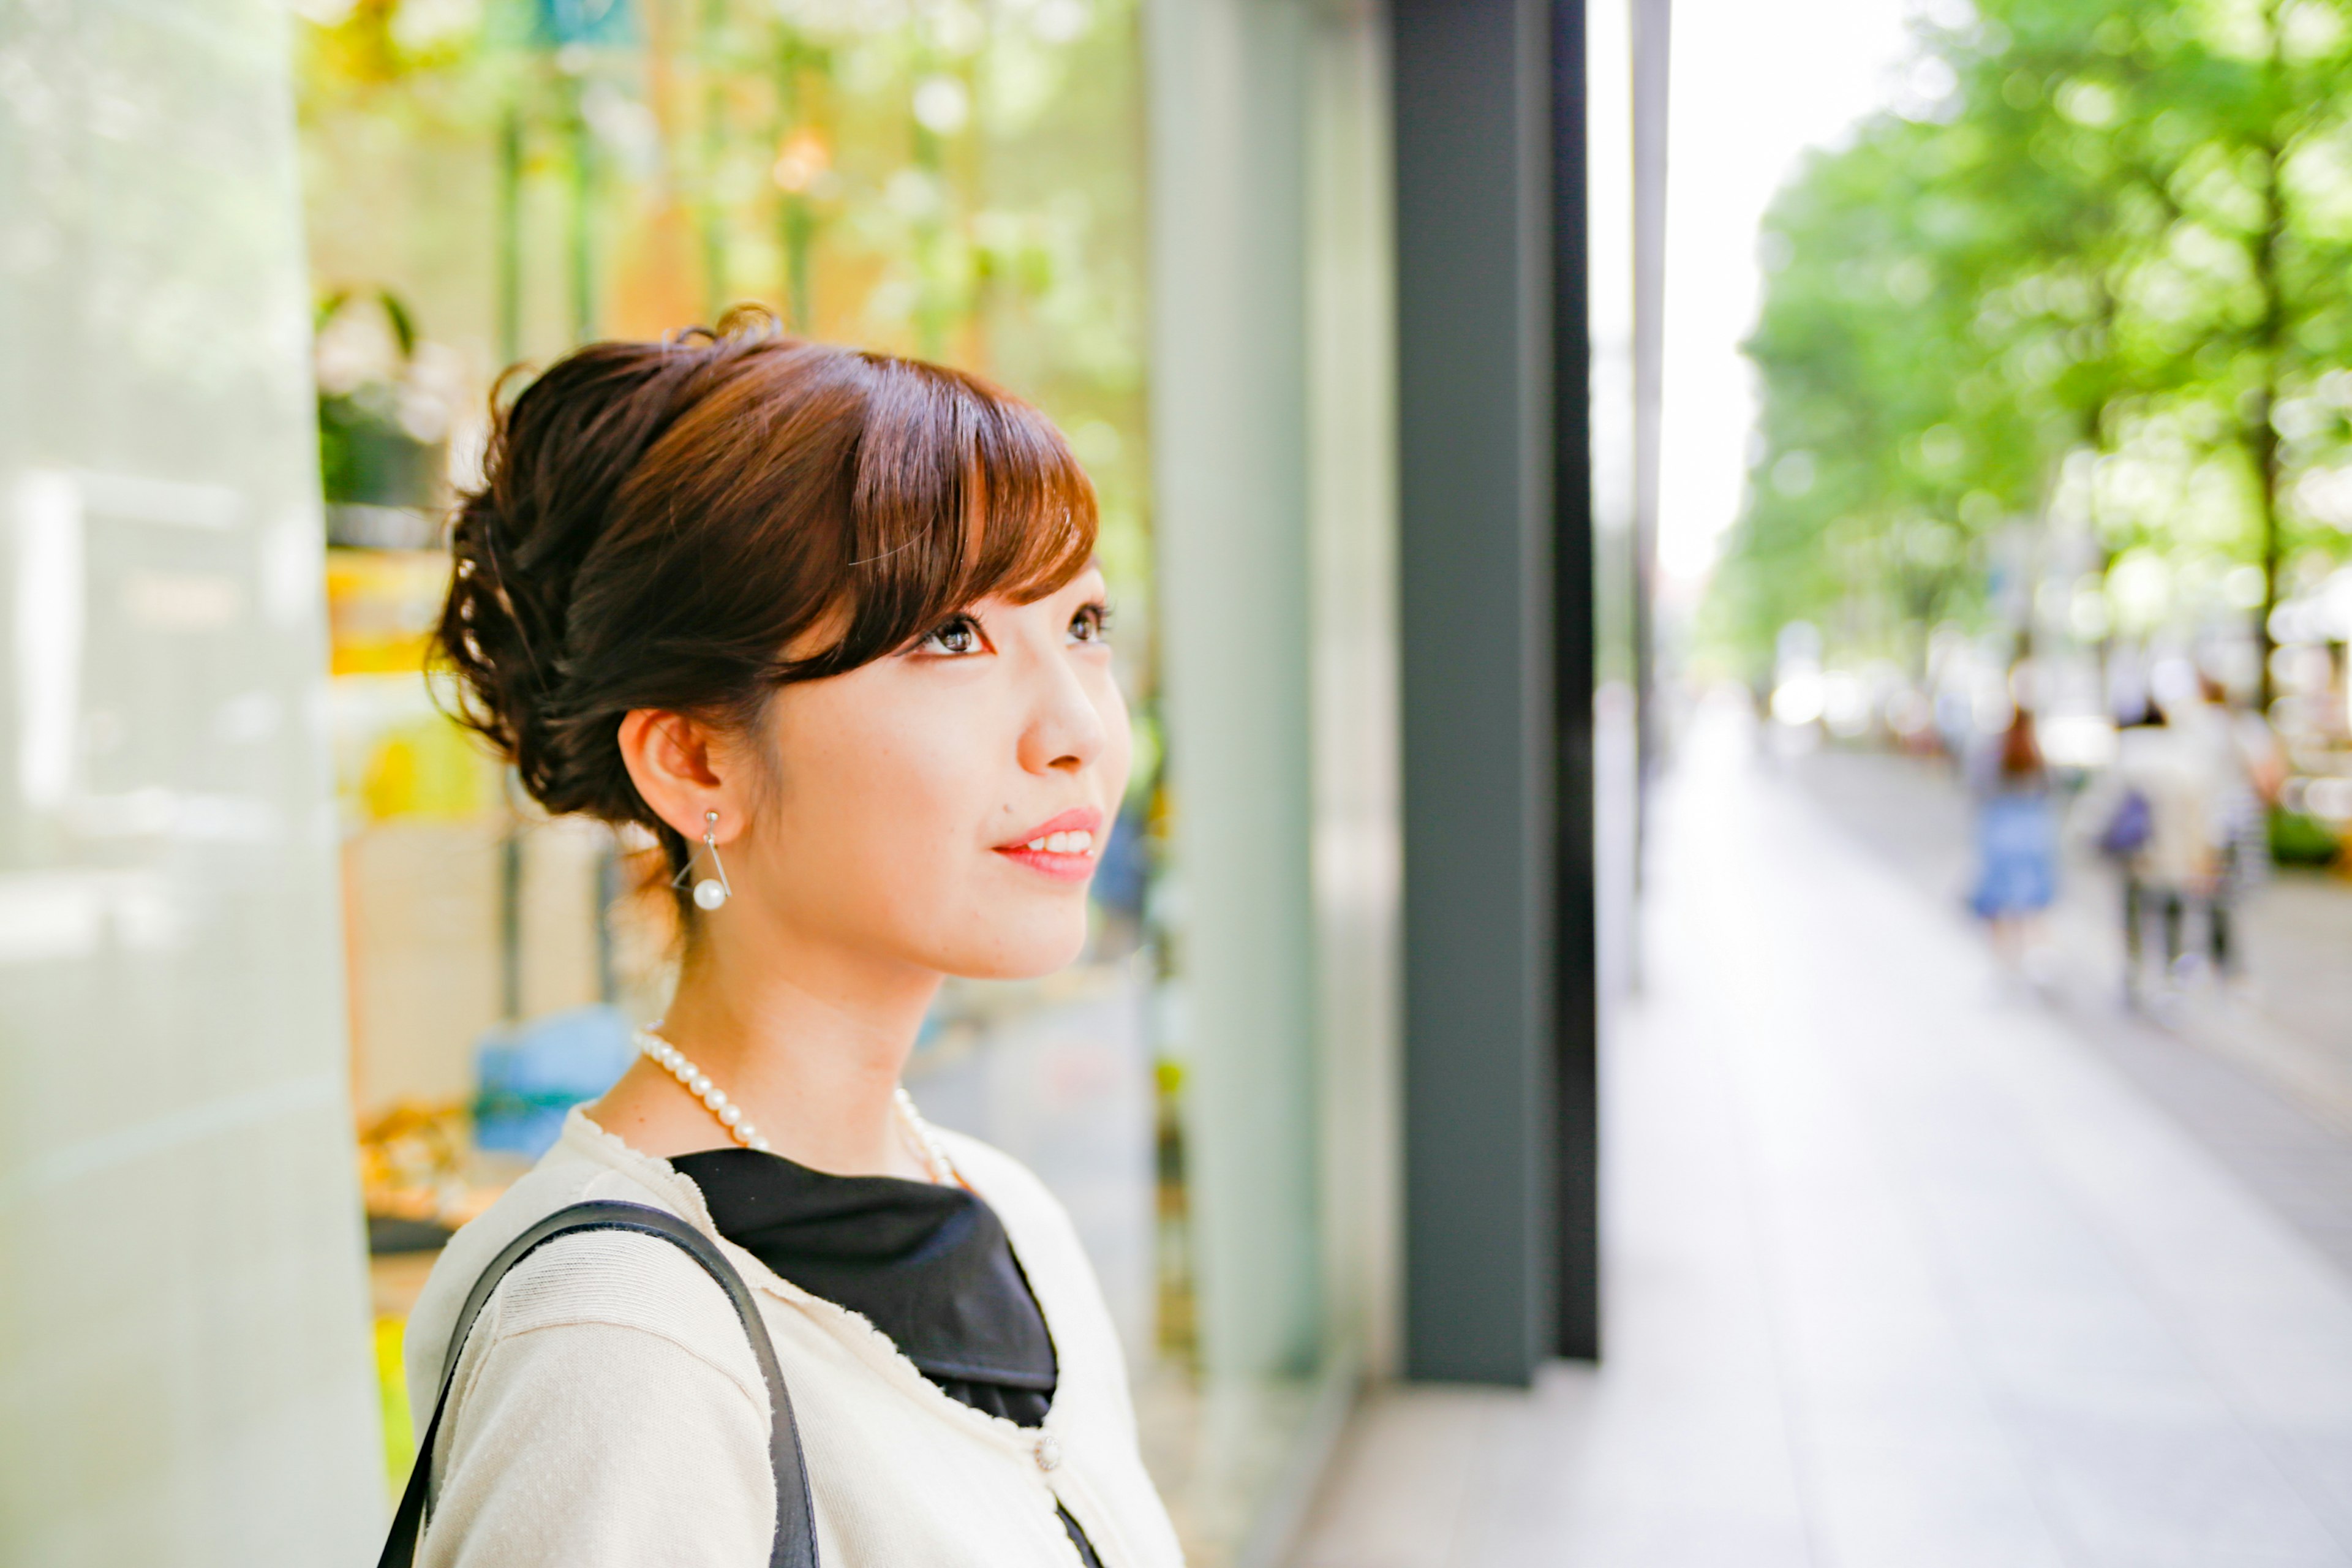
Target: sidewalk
x,y
2294,931
1901,1271
2264,1083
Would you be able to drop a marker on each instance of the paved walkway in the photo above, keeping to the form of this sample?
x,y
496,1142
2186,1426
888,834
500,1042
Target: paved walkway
x,y
1902,1272
2263,1081
2297,930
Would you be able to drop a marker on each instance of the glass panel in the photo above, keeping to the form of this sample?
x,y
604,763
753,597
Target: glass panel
x,y
183,1375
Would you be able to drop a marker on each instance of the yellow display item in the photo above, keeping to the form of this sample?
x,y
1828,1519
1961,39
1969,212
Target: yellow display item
x,y
429,769
391,1387
382,605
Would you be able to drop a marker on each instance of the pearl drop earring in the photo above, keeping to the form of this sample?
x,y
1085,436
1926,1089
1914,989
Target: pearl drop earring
x,y
709,892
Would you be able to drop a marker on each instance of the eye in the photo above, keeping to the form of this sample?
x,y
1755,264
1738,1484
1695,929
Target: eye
x,y
955,637
1091,624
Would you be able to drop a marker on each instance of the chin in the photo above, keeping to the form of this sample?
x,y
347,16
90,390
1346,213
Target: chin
x,y
1028,952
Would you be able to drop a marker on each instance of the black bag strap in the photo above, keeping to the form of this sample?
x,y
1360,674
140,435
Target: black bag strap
x,y
795,1545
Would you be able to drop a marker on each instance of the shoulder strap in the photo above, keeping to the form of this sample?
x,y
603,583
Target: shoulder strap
x,y
796,1544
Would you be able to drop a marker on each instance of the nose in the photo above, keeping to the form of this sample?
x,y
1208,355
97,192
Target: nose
x,y
1065,730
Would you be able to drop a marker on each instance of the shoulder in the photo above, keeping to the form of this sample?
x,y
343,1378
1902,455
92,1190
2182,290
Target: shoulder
x,y
607,1412
618,1308
616,1279
624,1280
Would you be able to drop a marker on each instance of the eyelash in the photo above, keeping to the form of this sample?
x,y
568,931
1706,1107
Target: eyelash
x,y
952,626
1090,624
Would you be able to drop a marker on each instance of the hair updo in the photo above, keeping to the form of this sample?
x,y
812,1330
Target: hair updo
x,y
659,524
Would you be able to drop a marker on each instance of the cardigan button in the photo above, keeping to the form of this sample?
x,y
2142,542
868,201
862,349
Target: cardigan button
x,y
1049,1452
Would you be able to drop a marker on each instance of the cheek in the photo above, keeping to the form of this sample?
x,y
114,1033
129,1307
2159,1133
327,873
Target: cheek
x,y
880,803
1118,747
883,819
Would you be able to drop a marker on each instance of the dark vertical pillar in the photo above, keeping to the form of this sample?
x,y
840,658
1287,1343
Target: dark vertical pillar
x,y
1576,1041
1477,466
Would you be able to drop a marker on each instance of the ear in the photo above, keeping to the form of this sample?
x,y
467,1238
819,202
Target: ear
x,y
683,769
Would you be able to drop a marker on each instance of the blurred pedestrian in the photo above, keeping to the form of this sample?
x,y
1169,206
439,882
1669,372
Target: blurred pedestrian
x,y
2242,770
2017,843
2153,815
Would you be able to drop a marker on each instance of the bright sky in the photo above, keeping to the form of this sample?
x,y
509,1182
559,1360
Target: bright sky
x,y
1755,82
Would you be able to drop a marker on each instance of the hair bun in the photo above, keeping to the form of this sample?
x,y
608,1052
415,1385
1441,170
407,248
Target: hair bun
x,y
558,455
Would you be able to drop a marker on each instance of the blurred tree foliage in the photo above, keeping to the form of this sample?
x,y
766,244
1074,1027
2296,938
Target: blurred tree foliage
x,y
2090,280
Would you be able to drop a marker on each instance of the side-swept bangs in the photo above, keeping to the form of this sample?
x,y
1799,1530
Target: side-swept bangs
x,y
816,508
959,492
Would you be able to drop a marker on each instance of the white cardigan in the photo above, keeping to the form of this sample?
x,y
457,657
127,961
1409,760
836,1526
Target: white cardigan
x,y
608,1412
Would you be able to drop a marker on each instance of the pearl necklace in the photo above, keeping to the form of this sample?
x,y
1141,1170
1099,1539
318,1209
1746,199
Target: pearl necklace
x,y
920,1136
926,1141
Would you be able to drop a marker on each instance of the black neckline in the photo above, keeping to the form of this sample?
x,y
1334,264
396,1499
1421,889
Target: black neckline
x,y
929,1266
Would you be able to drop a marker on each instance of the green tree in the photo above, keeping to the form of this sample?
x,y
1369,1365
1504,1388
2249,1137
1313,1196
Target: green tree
x,y
2119,234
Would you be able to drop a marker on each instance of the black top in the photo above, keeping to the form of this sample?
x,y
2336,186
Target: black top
x,y
930,1266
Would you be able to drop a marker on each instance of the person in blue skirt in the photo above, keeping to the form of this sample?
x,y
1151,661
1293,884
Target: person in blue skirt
x,y
2016,842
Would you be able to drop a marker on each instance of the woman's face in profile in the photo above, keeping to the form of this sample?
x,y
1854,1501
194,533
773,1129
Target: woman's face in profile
x,y
947,806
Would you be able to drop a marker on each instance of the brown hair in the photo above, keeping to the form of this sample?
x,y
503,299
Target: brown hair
x,y
2020,754
662,524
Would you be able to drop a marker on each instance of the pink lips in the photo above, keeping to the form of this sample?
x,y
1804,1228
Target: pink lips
x,y
1063,861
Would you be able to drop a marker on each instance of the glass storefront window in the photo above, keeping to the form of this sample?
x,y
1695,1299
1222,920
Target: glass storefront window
x,y
492,182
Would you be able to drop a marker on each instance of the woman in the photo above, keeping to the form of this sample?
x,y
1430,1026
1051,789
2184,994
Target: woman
x,y
828,626
2017,843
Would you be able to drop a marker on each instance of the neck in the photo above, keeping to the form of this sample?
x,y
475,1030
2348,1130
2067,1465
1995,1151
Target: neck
x,y
808,1043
